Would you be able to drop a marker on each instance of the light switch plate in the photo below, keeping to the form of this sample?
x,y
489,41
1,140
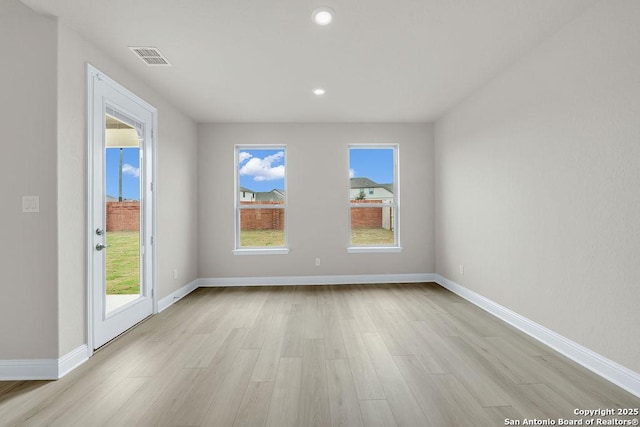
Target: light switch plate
x,y
30,204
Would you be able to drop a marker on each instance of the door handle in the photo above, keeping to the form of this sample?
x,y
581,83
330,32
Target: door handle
x,y
100,246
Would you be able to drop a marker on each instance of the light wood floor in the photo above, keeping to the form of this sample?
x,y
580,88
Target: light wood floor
x,y
373,355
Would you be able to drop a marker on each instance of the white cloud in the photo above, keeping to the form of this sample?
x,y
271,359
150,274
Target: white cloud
x,y
263,169
244,156
131,170
352,173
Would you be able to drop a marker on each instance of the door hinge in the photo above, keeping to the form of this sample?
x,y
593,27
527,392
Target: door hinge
x,y
152,240
151,186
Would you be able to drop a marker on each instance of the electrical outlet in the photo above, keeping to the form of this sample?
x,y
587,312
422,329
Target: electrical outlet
x,y
31,204
462,269
317,262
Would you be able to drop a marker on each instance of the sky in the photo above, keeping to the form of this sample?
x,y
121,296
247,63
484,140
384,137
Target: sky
x,y
261,170
130,173
264,170
375,164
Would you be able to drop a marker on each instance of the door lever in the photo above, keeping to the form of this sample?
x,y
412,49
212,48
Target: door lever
x,y
100,246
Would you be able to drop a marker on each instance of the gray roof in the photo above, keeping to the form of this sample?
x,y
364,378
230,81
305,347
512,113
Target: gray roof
x,y
363,183
246,190
367,183
115,199
270,196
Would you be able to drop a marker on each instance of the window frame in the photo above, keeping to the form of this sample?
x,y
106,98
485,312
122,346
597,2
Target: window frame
x,y
258,250
395,205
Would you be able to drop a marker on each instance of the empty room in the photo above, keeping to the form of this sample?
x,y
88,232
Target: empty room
x,y
320,213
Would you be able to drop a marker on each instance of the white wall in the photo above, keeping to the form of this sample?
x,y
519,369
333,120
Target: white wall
x,y
177,183
538,184
28,167
318,189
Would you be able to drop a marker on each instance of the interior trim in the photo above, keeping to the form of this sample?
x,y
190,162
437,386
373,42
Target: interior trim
x,y
598,364
175,296
43,369
317,280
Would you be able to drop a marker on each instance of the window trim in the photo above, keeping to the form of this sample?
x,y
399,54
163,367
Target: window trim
x,y
258,250
396,247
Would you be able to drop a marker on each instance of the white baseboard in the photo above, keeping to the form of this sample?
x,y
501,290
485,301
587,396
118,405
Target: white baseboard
x,y
173,297
42,369
28,369
606,368
316,280
72,360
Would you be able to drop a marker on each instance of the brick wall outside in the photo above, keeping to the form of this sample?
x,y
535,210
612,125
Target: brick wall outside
x,y
273,219
123,216
261,219
366,217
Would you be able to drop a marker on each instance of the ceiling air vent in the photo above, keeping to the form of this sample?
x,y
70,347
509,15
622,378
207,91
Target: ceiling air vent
x,y
150,56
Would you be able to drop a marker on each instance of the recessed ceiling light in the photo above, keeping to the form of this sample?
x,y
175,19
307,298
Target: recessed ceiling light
x,y
323,15
319,91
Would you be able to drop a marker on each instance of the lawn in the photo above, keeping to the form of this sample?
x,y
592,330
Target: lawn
x,y
123,262
359,236
249,238
371,236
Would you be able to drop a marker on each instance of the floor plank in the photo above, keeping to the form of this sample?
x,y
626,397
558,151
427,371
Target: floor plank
x,y
254,408
314,397
377,413
284,407
406,410
345,410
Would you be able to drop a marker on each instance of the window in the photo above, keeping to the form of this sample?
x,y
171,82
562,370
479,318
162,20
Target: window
x,y
261,199
373,214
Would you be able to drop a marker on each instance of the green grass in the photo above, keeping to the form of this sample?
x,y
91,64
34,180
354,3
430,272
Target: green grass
x,y
249,238
371,236
275,238
123,262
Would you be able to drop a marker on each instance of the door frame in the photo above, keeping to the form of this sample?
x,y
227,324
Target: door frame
x,y
92,74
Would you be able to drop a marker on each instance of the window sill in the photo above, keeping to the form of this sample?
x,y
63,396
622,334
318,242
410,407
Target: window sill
x,y
261,251
374,249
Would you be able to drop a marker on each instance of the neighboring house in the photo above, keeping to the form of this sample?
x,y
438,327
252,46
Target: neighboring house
x,y
371,190
247,195
274,195
115,199
270,196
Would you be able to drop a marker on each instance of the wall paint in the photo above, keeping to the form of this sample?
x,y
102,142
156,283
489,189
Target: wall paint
x,y
537,184
28,120
318,187
177,183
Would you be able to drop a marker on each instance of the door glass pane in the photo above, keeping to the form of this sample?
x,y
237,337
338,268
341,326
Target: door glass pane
x,y
122,212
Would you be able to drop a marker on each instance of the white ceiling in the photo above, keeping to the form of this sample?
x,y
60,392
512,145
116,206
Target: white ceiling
x,y
258,60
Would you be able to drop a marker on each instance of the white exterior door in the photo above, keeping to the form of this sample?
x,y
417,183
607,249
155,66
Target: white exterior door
x,y
121,209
